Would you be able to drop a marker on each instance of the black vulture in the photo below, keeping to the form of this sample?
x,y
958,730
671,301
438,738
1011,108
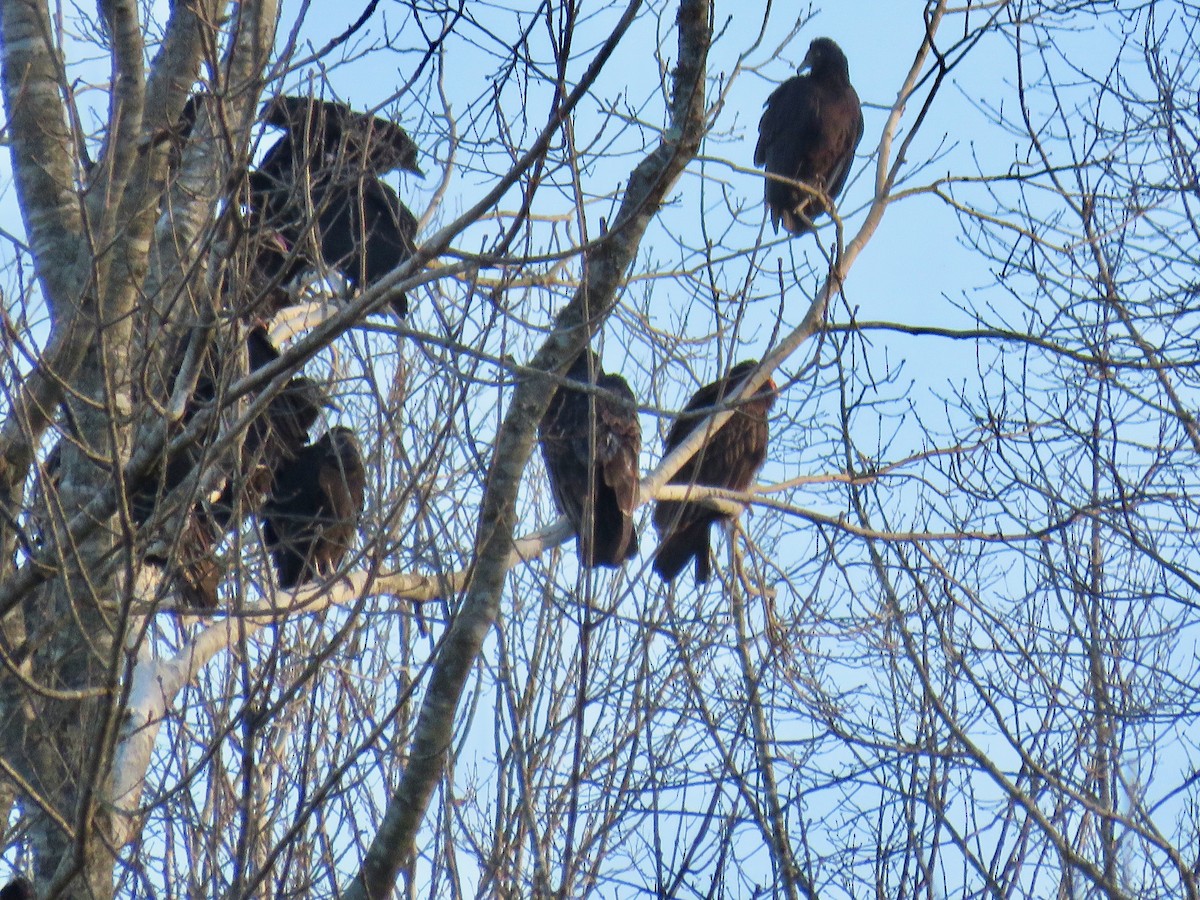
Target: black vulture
x,y
367,233
272,441
808,133
328,129
730,459
326,167
18,889
311,517
273,437
591,444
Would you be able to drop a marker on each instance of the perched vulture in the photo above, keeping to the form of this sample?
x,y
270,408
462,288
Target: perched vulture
x,y
323,175
273,437
19,889
331,129
591,444
177,135
368,234
808,133
729,459
311,517
272,441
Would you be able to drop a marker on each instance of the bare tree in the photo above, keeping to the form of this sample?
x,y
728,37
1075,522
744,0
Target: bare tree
x,y
947,650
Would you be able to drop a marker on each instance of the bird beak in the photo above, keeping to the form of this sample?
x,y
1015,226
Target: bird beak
x,y
807,62
332,404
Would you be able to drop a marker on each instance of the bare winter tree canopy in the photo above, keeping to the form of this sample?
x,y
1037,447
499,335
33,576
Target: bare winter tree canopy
x,y
291,605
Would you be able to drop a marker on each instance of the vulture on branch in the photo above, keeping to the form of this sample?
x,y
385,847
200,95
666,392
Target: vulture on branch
x,y
322,175
272,438
311,517
368,235
329,129
591,443
808,133
729,458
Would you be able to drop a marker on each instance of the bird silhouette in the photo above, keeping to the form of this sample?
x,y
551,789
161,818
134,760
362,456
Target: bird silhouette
x,y
322,177
808,133
591,443
312,515
274,436
18,889
729,458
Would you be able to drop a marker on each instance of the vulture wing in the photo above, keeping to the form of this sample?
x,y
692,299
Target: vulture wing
x,y
365,232
342,485
618,483
377,144
290,528
730,458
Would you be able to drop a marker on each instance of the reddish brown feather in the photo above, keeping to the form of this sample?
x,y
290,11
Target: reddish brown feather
x,y
591,444
808,133
730,458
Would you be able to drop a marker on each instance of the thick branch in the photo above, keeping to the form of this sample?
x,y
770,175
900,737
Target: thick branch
x,y
604,268
41,149
127,102
30,70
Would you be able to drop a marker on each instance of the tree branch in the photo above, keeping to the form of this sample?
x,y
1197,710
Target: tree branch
x,y
30,71
603,269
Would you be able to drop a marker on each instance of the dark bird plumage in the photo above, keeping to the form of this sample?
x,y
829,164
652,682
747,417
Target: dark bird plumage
x,y
272,437
259,349
730,459
808,133
290,414
311,517
591,444
328,129
19,889
324,171
366,233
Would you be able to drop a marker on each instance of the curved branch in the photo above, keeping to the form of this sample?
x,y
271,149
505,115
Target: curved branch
x,y
41,147
839,270
604,267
